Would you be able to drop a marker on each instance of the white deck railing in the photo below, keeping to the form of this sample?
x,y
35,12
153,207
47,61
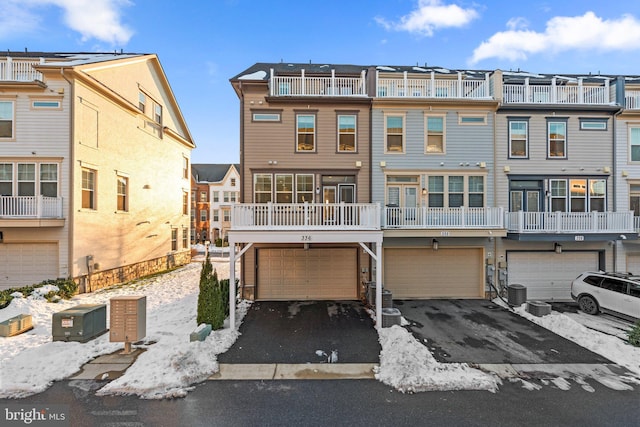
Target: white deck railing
x,y
317,86
305,216
432,88
554,94
632,99
30,207
19,70
570,222
423,217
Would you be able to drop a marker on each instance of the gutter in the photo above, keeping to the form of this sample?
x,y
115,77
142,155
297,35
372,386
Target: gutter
x,y
71,177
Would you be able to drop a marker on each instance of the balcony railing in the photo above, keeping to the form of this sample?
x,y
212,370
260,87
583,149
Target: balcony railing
x,y
632,99
30,207
19,70
305,216
432,88
554,94
454,218
570,222
317,86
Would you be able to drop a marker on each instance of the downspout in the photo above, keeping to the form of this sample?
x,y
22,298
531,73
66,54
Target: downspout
x,y
614,170
243,182
70,204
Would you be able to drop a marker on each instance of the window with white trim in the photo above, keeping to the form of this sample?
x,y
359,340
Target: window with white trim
x,y
634,144
306,132
266,117
262,187
123,193
7,119
49,179
557,139
215,196
215,216
203,196
203,215
347,133
472,119
578,195
174,239
226,215
88,188
558,189
394,133
304,188
185,203
284,188
6,179
518,139
455,191
435,134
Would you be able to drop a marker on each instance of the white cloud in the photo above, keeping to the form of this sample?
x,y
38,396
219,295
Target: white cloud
x,y
93,19
562,33
431,15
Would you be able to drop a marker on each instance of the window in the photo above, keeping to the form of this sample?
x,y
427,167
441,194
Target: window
x,y
142,101
42,104
174,239
185,234
347,133
225,196
216,196
593,124
193,196
284,188
185,203
88,188
470,119
123,190
614,285
634,196
157,113
262,188
634,142
578,195
394,130
215,215
203,215
558,195
436,191
226,215
435,135
185,167
233,182
26,179
266,117
476,191
203,196
6,179
557,139
518,139
456,191
304,188
234,196
597,191
6,119
49,179
306,132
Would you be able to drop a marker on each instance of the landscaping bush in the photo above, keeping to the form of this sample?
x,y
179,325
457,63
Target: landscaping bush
x,y
634,335
66,289
213,306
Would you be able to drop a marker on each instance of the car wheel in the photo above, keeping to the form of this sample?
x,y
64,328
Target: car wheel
x,y
588,304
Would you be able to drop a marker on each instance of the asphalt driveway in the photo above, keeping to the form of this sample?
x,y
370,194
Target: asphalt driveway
x,y
305,332
479,331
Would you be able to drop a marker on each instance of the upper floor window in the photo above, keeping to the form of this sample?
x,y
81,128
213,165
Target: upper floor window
x,y
518,139
284,188
593,124
46,104
304,188
634,144
266,117
578,195
347,133
455,191
203,196
203,215
185,167
306,132
262,188
174,239
185,203
215,216
394,134
26,179
215,196
557,139
49,179
435,135
88,188
233,182
6,119
157,113
29,176
6,179
123,192
185,238
287,188
472,119
142,101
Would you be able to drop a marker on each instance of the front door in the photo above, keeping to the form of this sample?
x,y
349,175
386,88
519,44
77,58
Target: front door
x,y
329,198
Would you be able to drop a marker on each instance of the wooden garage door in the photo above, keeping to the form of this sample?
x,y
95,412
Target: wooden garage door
x,y
548,275
27,263
313,274
425,273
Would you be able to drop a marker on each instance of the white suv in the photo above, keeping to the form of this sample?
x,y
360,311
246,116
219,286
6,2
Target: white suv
x,y
614,292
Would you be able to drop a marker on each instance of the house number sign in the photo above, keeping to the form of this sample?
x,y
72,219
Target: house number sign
x,y
306,238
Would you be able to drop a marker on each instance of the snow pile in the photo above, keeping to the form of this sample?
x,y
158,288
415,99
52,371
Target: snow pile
x,y
408,366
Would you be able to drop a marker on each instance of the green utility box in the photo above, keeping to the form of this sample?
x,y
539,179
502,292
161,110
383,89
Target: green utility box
x,y
80,323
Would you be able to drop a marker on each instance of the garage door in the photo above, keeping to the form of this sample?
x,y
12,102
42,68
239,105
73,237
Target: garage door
x,y
425,273
27,263
633,263
313,274
548,276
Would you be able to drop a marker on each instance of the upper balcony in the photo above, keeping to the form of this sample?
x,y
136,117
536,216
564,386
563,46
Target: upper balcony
x,y
25,211
19,70
305,216
569,92
430,87
303,85
632,99
572,223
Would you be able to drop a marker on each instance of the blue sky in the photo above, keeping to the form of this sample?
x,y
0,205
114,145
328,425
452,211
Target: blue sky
x,y
203,43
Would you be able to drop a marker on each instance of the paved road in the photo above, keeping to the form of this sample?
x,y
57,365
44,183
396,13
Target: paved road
x,y
345,402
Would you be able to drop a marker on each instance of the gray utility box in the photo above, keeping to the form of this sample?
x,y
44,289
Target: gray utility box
x,y
80,323
128,318
538,308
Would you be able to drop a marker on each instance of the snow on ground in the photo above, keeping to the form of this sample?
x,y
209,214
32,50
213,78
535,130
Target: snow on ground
x,y
171,365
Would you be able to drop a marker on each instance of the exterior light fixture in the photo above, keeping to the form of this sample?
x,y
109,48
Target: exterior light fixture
x,y
557,247
435,244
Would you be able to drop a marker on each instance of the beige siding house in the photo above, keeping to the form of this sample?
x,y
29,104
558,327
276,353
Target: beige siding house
x,y
94,169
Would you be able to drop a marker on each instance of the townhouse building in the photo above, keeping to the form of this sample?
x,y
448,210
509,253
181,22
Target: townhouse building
x,y
94,169
215,188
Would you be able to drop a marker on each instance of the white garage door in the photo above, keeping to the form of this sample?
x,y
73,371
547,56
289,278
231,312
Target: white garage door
x,y
633,263
24,264
425,273
548,276
313,274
